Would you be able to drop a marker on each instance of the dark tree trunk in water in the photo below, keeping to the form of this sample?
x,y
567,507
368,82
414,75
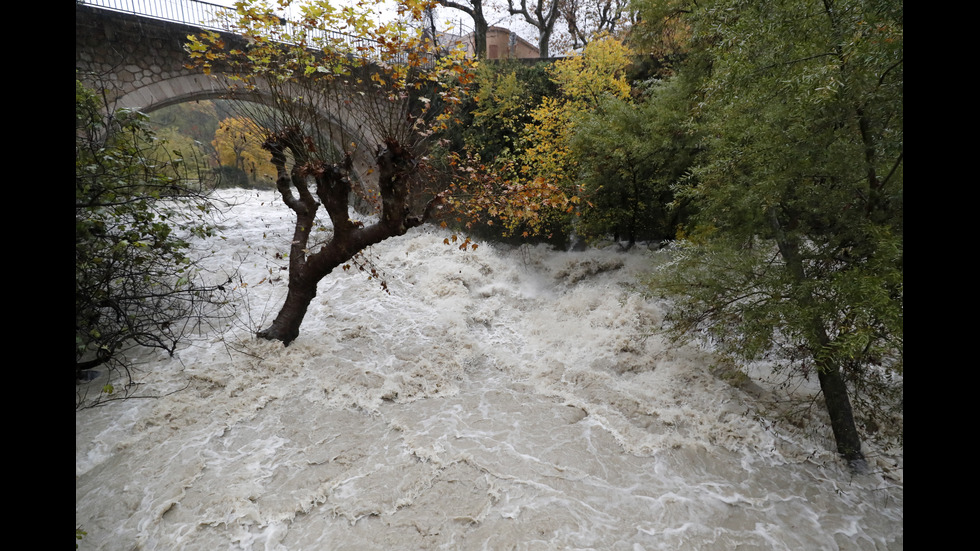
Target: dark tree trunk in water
x,y
306,268
841,415
829,373
286,326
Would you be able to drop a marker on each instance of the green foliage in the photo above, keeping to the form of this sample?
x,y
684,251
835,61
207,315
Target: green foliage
x,y
486,138
631,155
197,119
506,94
189,128
522,129
133,275
797,252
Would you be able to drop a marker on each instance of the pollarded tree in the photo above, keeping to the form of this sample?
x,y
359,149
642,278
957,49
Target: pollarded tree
x,y
798,256
346,106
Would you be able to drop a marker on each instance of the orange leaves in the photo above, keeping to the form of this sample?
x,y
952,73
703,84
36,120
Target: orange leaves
x,y
204,49
498,196
466,243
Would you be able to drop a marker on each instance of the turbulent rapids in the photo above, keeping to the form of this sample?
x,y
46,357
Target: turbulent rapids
x,y
492,399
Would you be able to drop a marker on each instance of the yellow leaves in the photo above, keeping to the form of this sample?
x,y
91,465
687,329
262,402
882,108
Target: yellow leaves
x,y
537,188
238,143
599,70
194,44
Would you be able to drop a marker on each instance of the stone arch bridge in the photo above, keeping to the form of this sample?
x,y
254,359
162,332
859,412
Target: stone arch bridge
x,y
134,51
139,58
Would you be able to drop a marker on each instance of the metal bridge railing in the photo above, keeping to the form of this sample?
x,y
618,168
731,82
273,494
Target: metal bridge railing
x,y
209,16
190,12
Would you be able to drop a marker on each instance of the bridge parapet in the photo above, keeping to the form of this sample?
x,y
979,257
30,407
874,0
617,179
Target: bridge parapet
x,y
188,12
139,62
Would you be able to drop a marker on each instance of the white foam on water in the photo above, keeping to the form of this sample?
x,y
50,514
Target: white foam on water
x,y
493,399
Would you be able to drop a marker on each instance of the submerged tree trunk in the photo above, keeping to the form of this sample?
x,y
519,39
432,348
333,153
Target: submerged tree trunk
x,y
841,415
396,166
286,326
829,374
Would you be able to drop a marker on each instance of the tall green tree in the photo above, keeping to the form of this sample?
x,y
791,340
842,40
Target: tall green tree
x,y
630,155
798,251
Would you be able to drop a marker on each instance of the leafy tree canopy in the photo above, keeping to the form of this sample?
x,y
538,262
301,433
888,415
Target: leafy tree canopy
x,y
532,187
797,253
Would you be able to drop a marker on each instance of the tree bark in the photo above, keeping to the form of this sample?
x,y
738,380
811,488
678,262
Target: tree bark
x,y
841,415
480,25
829,374
541,17
285,328
396,166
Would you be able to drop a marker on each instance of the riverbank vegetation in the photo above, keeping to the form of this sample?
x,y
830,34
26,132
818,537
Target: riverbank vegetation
x,y
765,142
761,143
137,283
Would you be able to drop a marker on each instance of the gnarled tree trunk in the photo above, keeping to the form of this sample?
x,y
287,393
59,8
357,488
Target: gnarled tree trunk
x,y
396,166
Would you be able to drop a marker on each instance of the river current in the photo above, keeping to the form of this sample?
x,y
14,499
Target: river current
x,y
502,398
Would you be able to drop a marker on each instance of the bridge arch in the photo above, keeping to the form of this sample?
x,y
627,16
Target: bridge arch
x,y
141,64
197,87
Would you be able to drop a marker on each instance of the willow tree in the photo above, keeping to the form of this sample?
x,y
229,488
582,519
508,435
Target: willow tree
x,y
346,106
798,251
